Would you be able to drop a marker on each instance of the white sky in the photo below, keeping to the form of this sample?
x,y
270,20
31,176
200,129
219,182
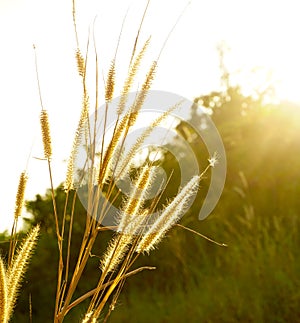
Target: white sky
x,y
259,32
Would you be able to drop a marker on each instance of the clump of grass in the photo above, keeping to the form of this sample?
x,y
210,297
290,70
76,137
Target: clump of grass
x,y
136,231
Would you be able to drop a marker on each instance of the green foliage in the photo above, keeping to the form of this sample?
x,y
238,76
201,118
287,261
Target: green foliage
x,y
256,278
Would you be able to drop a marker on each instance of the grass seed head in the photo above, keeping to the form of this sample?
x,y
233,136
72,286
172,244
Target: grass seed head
x,y
88,318
130,78
20,194
69,181
133,205
168,217
46,135
110,83
17,269
115,252
80,63
3,292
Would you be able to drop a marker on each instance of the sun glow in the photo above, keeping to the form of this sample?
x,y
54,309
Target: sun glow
x,y
259,33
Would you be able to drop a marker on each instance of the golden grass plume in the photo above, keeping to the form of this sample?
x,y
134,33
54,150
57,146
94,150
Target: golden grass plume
x,y
168,217
108,159
17,269
130,78
142,93
115,252
80,63
133,205
110,82
20,194
69,181
3,293
46,135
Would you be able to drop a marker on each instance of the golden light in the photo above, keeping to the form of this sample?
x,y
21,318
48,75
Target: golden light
x,y
260,33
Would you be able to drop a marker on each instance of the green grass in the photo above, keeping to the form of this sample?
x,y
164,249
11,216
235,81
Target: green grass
x,y
255,279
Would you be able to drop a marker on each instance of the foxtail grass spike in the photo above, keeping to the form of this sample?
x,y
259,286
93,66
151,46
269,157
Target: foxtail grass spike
x,y
20,194
168,217
112,149
142,94
130,78
88,318
119,246
133,205
110,83
3,293
115,252
17,269
80,63
46,135
69,181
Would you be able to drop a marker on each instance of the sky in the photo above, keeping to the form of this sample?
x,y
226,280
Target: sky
x,y
259,33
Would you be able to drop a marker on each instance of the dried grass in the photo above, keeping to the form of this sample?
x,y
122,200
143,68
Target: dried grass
x,y
134,234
